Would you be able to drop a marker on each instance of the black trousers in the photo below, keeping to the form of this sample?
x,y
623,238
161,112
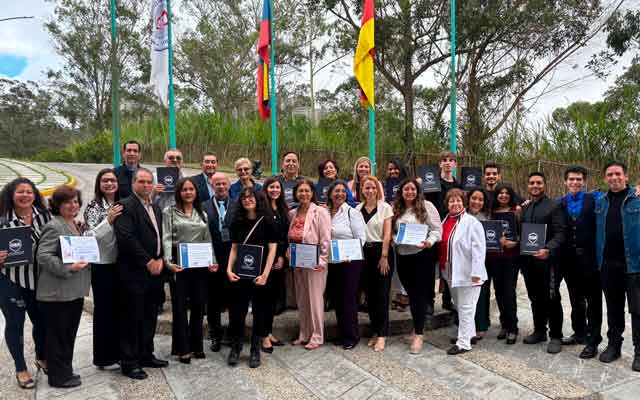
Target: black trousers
x,y
617,285
543,282
417,275
504,274
62,320
188,293
106,321
585,293
138,320
274,290
241,293
377,288
345,278
217,297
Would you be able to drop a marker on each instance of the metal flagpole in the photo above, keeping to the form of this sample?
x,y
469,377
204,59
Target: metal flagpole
x,y
452,134
272,97
115,87
372,139
172,112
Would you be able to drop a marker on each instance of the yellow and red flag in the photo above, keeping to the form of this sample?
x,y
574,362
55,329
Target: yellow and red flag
x,y
264,46
363,61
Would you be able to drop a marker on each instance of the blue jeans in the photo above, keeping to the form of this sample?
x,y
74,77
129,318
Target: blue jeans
x,y
14,302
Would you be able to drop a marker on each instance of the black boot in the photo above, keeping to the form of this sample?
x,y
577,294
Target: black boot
x,y
590,351
234,354
254,356
611,353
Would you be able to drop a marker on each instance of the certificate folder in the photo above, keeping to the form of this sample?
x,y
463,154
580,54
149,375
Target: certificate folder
x,y
471,177
168,176
321,190
17,242
346,250
303,255
391,189
493,231
508,224
430,176
249,261
534,237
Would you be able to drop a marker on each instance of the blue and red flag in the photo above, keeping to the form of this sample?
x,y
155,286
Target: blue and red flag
x,y
264,47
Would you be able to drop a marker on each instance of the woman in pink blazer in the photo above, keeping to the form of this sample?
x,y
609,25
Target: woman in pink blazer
x,y
310,224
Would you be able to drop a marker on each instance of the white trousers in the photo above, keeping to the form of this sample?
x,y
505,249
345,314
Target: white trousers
x,y
465,299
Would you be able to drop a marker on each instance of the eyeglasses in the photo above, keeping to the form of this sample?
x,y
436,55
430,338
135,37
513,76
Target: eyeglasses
x,y
243,169
174,158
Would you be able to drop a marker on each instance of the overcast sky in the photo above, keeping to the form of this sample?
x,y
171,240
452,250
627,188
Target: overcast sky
x,y
26,52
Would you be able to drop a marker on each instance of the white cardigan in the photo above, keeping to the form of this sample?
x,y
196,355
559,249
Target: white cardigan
x,y
468,252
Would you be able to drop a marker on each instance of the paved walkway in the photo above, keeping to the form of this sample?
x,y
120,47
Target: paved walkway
x,y
42,174
491,371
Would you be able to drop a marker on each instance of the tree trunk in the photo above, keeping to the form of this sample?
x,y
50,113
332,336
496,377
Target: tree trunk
x,y
407,137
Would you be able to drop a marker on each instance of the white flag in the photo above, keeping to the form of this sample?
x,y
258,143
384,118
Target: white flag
x,y
160,50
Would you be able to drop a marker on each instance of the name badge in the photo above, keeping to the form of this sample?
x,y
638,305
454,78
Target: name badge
x,y
226,236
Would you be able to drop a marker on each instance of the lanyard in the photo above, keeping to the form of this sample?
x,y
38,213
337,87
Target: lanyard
x,y
220,215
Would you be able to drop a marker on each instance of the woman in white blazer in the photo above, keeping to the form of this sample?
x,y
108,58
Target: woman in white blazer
x,y
461,259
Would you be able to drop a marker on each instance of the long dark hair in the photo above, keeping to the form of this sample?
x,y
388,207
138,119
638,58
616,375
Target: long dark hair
x,y
485,199
261,205
404,171
400,206
178,196
512,195
281,204
6,197
97,193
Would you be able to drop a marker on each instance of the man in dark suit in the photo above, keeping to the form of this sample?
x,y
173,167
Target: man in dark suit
x,y
579,267
209,166
541,275
132,154
138,232
219,211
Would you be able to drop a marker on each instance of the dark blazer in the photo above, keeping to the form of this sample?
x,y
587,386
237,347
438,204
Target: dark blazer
x,y
581,232
137,243
201,185
125,177
548,211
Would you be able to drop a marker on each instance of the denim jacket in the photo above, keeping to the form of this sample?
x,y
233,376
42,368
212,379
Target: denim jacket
x,y
630,229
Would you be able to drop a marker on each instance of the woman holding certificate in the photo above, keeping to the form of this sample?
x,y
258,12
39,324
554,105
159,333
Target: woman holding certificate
x,y
377,270
503,267
183,225
310,225
22,206
276,282
99,217
62,287
347,225
253,253
462,253
417,228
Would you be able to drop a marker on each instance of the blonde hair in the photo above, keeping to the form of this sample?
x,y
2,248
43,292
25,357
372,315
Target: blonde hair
x,y
379,190
356,178
240,161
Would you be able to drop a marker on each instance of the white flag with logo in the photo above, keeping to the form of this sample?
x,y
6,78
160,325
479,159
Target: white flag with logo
x,y
160,50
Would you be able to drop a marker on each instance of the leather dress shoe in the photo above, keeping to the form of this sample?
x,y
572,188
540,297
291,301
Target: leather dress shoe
x,y
348,346
610,354
590,351
502,334
268,350
254,358
70,383
135,373
554,346
234,356
199,355
216,344
511,338
154,363
535,337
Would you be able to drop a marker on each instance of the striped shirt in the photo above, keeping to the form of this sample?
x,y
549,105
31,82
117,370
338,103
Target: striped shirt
x,y
26,275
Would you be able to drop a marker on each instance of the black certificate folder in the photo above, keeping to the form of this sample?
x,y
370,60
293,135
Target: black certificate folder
x,y
471,178
17,242
533,238
430,175
249,261
493,232
168,176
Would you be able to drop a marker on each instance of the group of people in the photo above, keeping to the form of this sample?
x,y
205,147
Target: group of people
x,y
592,242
